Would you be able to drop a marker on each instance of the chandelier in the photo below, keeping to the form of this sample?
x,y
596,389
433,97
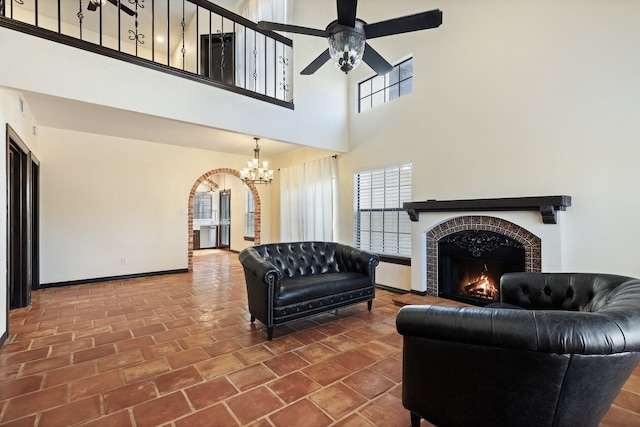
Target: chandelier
x,y
255,172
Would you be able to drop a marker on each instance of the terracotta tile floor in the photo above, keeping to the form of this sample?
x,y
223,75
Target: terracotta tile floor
x,y
178,350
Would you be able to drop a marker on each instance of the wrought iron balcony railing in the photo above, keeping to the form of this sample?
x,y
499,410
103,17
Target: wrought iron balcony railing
x,y
191,38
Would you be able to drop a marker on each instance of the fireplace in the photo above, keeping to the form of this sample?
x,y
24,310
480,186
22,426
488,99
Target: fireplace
x,y
462,249
528,220
471,262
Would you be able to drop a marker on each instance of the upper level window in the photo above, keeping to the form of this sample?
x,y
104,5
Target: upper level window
x,y
380,89
381,225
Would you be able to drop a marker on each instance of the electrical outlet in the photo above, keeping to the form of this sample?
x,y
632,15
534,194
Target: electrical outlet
x,y
123,261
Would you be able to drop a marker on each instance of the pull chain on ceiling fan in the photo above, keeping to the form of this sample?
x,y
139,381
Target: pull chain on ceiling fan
x,y
347,37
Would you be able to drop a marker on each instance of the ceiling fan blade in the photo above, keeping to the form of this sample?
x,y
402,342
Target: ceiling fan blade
x,y
374,60
317,63
123,7
405,24
274,26
347,12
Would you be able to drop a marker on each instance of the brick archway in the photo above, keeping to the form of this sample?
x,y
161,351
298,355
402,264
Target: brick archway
x,y
207,177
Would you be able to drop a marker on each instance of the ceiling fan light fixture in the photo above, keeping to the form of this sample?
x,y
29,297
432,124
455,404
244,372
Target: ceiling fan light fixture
x,y
346,48
347,37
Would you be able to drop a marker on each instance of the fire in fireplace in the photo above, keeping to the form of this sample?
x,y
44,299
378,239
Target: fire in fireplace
x,y
471,262
482,286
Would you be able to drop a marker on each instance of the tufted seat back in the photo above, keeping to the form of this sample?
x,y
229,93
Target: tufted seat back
x,y
559,291
304,258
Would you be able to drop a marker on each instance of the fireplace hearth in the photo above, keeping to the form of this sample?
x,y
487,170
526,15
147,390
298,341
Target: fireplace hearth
x,y
471,262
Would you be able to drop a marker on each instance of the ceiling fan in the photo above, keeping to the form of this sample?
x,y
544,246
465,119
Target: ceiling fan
x,y
347,37
94,4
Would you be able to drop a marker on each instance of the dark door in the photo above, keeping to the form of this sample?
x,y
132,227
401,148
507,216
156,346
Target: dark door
x,y
17,271
34,198
217,57
22,214
225,219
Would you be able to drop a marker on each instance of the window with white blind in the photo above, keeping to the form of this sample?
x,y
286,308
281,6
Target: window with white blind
x,y
381,225
249,216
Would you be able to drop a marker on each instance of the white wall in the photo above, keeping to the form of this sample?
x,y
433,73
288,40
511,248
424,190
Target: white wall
x,y
517,98
104,199
15,113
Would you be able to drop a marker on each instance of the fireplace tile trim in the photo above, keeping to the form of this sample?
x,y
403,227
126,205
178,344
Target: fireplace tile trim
x,y
531,242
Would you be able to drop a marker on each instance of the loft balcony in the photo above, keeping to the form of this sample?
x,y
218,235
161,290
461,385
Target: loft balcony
x,y
193,39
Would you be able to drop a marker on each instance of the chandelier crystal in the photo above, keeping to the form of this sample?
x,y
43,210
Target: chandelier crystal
x,y
256,172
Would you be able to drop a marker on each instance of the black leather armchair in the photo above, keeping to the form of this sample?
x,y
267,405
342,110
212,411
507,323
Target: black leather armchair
x,y
287,281
555,351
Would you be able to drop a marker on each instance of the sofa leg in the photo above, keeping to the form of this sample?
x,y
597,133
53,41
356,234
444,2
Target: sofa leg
x,y
270,332
253,319
369,304
415,420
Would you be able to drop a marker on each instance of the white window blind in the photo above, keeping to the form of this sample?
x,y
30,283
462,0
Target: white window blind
x,y
381,225
249,214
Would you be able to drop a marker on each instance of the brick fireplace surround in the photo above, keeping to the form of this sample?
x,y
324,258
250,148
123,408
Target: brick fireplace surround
x,y
532,243
532,221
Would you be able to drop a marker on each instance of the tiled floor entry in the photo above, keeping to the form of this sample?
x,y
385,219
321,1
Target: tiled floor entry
x,y
178,350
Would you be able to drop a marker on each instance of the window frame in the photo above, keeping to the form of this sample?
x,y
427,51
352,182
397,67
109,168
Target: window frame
x,y
202,205
386,84
389,231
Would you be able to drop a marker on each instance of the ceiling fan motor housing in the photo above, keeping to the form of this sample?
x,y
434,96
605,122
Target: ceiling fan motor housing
x,y
346,44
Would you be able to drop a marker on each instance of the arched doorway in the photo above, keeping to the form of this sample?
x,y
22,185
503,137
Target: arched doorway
x,y
208,177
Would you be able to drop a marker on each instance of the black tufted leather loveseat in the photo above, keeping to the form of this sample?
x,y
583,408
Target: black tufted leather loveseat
x,y
287,281
555,351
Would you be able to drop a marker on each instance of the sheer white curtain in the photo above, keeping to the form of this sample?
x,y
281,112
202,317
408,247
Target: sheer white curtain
x,y
251,66
266,10
306,201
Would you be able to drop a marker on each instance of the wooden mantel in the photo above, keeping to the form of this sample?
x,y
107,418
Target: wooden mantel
x,y
546,205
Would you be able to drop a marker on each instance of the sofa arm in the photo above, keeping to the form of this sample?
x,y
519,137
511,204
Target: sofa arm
x,y
257,267
548,331
357,261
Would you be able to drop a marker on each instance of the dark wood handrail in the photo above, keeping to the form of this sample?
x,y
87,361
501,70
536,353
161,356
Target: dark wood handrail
x,y
241,20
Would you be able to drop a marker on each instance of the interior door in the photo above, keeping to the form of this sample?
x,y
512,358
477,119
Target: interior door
x,y
22,224
217,57
225,219
16,270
